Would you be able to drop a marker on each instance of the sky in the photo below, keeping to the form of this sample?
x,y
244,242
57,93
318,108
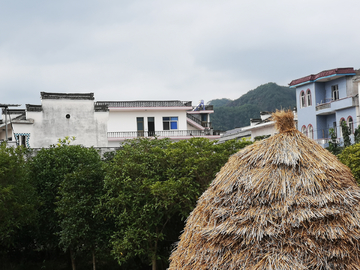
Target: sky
x,y
169,50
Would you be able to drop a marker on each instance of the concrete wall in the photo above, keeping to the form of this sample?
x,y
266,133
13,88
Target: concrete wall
x,y
307,115
264,130
89,127
120,121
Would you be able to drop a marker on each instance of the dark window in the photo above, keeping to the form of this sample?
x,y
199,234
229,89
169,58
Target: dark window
x,y
170,123
335,92
308,97
151,126
23,140
302,99
140,126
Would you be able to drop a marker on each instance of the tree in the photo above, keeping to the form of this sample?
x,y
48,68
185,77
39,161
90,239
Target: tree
x,y
49,169
351,158
357,134
333,143
82,228
346,134
153,184
18,199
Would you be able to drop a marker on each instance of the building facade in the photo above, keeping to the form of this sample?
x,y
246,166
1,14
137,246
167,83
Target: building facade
x,y
326,99
105,123
177,120
259,128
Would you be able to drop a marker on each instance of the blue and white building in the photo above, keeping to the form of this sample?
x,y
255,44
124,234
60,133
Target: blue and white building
x,y
326,99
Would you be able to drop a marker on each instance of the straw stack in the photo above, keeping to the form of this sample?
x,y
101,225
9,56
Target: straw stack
x,y
281,203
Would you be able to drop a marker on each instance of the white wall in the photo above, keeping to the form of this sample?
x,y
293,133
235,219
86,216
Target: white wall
x,y
264,130
88,126
120,121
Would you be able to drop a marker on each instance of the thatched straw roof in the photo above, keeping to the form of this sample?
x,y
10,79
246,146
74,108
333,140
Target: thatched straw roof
x,y
281,203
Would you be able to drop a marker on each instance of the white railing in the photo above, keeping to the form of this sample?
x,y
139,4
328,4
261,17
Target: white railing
x,y
162,133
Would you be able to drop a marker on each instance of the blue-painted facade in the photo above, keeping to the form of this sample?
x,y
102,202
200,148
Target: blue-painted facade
x,y
324,112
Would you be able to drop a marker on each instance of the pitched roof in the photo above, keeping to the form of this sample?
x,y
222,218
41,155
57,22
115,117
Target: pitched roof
x,y
322,75
281,203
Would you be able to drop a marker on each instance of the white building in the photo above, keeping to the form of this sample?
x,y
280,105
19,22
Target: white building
x,y
104,123
262,127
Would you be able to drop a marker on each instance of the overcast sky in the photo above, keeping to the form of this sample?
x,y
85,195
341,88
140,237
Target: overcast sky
x,y
165,50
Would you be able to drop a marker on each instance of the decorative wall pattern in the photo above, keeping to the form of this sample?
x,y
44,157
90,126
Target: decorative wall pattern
x,y
27,138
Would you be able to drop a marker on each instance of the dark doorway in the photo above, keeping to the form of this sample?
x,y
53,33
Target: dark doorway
x,y
151,126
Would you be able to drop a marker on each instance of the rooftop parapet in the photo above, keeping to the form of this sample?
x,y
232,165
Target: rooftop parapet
x,y
145,103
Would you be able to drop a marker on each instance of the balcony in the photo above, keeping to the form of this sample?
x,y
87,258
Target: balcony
x,y
338,104
121,135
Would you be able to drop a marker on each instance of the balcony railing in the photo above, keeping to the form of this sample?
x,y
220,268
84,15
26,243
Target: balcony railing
x,y
323,106
207,108
162,133
133,104
198,121
339,103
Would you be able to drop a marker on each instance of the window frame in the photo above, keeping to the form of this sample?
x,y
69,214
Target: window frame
x,y
310,133
308,97
171,122
335,92
304,130
302,99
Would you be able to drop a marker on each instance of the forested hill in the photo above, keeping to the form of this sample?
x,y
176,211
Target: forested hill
x,y
237,113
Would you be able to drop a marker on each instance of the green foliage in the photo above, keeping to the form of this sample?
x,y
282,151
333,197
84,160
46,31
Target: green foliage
x,y
259,138
225,118
219,102
267,97
48,169
345,133
152,185
357,134
351,158
17,195
334,146
82,228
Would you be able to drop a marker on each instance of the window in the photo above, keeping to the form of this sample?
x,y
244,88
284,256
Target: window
x,y
335,92
308,97
170,123
350,124
302,99
140,126
22,140
303,130
310,131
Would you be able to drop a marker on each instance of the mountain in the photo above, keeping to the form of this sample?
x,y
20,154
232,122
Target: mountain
x,y
219,102
237,113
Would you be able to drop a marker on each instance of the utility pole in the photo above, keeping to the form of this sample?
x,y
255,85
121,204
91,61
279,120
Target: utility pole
x,y
5,107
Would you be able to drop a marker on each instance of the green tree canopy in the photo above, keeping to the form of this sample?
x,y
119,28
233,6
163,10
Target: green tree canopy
x,y
350,156
48,169
18,199
153,184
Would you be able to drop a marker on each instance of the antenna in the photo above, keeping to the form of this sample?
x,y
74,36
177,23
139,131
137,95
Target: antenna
x,y
5,107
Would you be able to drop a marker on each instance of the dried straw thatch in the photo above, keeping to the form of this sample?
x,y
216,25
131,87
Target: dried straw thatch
x,y
281,203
